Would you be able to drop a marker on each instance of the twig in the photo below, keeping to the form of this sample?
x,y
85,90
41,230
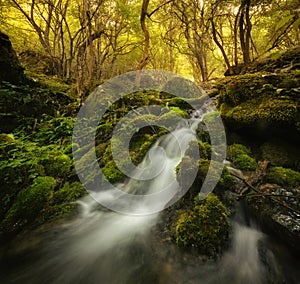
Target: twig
x,y
271,196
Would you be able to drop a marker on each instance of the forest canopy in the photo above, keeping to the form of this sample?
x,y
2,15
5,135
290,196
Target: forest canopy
x,y
86,42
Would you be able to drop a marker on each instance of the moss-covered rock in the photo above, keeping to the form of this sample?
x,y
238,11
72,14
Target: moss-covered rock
x,y
63,202
245,162
239,155
260,100
205,227
284,177
30,201
112,172
234,150
10,68
289,154
58,166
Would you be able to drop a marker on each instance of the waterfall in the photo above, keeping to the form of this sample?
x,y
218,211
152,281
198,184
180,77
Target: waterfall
x,y
102,246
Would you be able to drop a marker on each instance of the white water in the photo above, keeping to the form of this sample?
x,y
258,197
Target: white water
x,y
105,242
102,246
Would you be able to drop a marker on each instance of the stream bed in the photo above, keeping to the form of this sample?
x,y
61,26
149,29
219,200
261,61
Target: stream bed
x,y
107,247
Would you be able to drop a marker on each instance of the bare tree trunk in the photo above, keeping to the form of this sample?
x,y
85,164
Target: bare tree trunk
x,y
143,15
214,32
245,30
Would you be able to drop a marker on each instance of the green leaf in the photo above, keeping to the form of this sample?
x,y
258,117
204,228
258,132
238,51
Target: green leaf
x,y
283,22
296,24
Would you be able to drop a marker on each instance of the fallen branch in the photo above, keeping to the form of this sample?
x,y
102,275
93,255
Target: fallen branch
x,y
269,195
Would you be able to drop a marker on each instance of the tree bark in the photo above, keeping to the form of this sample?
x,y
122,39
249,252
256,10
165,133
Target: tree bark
x,y
143,15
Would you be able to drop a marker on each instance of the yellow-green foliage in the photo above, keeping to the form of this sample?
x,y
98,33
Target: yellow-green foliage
x,y
30,201
205,227
284,177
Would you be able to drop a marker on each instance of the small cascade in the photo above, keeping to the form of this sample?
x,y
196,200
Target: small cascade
x,y
242,262
102,246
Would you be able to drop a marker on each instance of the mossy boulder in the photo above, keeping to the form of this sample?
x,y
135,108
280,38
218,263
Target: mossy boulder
x,y
260,100
234,150
284,177
289,156
30,201
112,172
245,162
58,166
63,202
69,192
10,68
239,155
205,227
22,104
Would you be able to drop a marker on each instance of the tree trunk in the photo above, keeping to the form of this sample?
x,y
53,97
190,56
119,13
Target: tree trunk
x,y
145,58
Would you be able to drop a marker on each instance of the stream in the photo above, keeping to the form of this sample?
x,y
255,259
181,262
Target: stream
x,y
102,246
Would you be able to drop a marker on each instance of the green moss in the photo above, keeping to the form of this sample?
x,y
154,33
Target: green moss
x,y
204,149
226,180
69,192
104,132
284,177
6,138
58,166
265,109
245,162
30,201
239,155
260,100
112,173
179,111
234,150
185,173
205,227
142,145
170,118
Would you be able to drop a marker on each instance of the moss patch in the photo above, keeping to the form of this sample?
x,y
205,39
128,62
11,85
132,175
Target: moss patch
x,y
284,177
30,201
204,227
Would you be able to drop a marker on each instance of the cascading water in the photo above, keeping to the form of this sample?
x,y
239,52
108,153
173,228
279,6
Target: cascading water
x,y
102,246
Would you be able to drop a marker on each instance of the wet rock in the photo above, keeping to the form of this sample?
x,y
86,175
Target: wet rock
x,y
263,98
277,209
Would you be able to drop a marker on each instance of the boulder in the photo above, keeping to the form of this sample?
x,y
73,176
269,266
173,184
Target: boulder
x,y
10,69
